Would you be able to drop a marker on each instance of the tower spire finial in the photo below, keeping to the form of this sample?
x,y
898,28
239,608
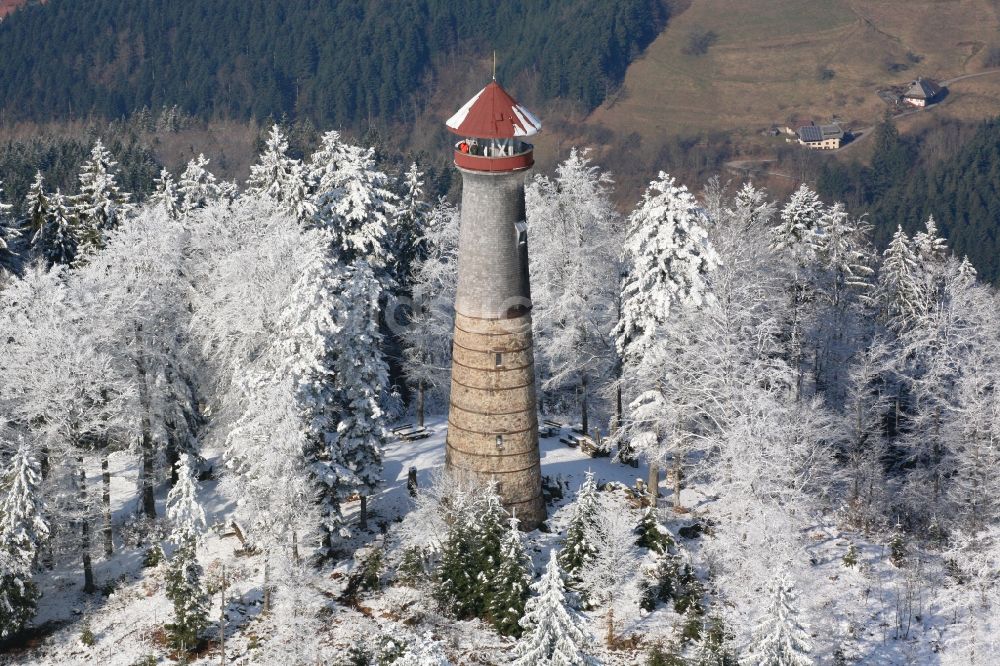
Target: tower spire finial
x,y
494,65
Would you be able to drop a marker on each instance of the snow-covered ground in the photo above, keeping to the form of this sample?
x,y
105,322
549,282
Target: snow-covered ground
x,y
127,615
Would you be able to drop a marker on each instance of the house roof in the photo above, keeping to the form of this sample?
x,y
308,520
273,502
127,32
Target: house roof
x,y
923,89
813,133
493,114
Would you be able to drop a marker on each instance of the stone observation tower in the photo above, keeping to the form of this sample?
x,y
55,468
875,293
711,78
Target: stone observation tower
x,y
492,418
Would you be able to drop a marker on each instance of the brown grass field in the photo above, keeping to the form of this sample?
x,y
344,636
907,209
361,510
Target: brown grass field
x,y
765,66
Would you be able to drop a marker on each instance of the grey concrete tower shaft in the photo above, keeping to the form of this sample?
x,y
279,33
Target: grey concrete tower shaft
x,y
492,419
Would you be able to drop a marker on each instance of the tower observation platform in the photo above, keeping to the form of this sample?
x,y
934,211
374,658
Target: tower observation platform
x,y
492,415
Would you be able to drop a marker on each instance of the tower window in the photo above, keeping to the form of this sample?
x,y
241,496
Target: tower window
x,y
522,232
499,442
498,359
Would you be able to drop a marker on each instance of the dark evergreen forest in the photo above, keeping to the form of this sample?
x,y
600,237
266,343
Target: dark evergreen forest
x,y
337,62
955,178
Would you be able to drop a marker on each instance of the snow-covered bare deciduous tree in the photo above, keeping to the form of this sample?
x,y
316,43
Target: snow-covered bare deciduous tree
x,y
197,187
100,205
296,618
22,532
553,631
431,317
575,245
780,639
423,651
136,290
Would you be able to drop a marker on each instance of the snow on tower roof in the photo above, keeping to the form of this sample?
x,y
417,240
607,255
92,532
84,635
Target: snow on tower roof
x,y
493,114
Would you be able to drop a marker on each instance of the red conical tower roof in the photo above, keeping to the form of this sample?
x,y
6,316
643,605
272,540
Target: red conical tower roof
x,y
493,114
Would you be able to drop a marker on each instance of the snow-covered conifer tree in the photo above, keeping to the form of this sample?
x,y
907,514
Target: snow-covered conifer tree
x,y
281,178
780,639
410,225
360,384
356,204
183,510
8,234
901,285
36,213
577,551
799,230
165,194
509,582
22,532
185,591
100,205
751,209
667,259
197,186
56,239
553,632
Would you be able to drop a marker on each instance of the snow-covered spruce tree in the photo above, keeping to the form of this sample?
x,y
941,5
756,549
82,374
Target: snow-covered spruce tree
x,y
577,551
357,206
779,639
186,516
197,186
553,632
360,384
58,241
901,289
490,522
184,588
8,234
667,261
22,532
423,651
575,269
36,212
100,205
751,209
281,178
410,225
431,320
510,583
458,586
165,194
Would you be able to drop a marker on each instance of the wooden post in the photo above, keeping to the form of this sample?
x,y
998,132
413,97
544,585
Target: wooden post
x,y
653,485
364,512
222,619
584,424
109,546
420,403
411,482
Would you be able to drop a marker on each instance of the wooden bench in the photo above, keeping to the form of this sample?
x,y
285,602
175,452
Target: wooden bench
x,y
552,424
571,441
405,426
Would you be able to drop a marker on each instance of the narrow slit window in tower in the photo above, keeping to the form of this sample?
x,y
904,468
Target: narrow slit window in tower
x,y
522,232
499,442
498,360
